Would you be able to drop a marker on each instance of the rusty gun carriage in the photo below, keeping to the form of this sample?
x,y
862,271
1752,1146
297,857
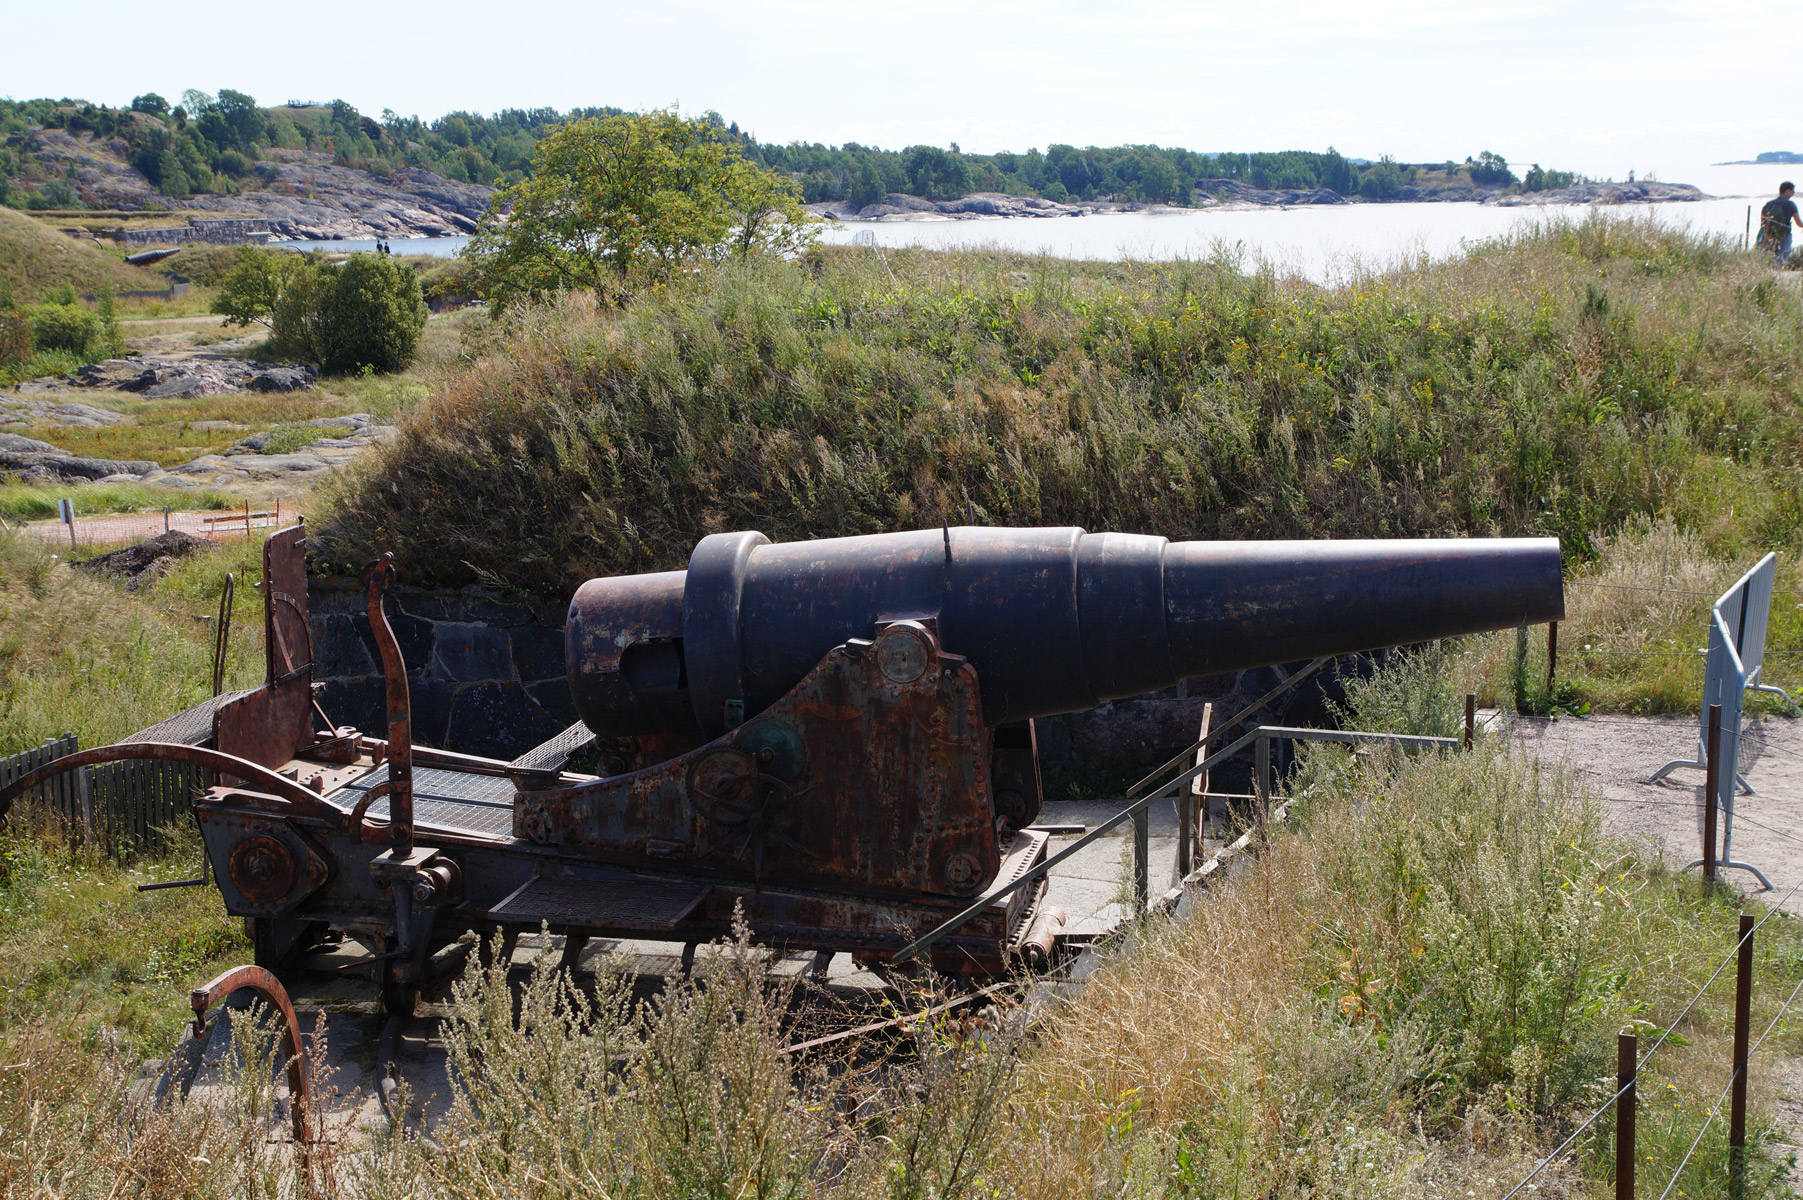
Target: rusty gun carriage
x,y
835,738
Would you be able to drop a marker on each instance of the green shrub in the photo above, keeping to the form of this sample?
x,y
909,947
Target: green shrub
x,y
365,315
371,318
67,327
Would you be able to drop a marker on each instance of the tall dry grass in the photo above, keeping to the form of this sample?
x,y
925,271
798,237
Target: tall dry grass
x,y
1558,382
1636,628
79,654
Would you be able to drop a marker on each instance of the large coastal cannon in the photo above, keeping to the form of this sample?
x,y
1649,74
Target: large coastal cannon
x,y
1054,620
832,738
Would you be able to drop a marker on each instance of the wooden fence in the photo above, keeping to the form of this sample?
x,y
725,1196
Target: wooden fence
x,y
119,806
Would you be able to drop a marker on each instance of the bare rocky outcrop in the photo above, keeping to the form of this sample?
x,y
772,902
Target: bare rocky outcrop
x,y
302,194
307,196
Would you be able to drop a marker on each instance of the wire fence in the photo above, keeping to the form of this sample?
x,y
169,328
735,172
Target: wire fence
x,y
1633,1065
1625,1093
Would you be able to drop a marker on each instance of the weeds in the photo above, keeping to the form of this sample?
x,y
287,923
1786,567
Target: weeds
x,y
77,656
38,501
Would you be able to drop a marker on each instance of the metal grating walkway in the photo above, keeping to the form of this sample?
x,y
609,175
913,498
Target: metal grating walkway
x,y
191,727
455,800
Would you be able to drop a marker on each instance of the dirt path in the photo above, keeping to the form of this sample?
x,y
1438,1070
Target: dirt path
x,y
222,525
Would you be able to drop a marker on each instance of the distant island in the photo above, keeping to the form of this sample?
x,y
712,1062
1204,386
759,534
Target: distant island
x,y
308,170
1765,158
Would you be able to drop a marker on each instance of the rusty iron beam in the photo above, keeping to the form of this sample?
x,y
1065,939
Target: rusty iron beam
x,y
376,578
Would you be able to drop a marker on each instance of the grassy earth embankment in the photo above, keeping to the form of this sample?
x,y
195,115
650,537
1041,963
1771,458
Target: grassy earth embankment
x,y
35,257
1558,382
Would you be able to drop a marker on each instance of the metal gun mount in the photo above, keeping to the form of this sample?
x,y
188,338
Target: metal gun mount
x,y
834,737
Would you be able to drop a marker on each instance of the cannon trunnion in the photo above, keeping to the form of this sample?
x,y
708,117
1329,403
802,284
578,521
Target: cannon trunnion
x,y
835,738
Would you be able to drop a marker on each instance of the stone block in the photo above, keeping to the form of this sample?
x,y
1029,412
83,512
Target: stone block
x,y
432,701
358,702
1134,734
337,650
464,607
553,695
471,652
413,635
500,720
538,652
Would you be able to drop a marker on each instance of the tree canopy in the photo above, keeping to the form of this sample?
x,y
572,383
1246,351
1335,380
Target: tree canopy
x,y
636,196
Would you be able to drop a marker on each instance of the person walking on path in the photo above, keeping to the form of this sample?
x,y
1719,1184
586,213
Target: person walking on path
x,y
1775,220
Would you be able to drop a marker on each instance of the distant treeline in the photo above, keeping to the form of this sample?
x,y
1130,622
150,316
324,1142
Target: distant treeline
x,y
211,143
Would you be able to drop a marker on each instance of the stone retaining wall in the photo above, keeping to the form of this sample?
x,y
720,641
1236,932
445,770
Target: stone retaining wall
x,y
220,233
486,676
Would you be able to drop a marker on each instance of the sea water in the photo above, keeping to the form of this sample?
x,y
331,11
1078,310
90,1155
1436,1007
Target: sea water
x,y
1325,243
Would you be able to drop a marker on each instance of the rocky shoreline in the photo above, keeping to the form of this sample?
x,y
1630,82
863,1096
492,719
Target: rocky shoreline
x,y
1227,195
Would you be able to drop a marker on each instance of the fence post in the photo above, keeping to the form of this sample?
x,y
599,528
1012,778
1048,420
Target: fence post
x,y
1470,719
1743,1019
1627,1055
1710,781
1262,769
1142,868
1552,656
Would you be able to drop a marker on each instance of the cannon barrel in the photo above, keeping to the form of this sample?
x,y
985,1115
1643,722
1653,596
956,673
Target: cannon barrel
x,y
1054,620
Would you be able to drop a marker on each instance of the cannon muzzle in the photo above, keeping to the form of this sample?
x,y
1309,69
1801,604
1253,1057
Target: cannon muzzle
x,y
1054,620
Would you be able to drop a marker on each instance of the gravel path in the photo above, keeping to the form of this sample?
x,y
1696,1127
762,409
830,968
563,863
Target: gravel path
x,y
1618,755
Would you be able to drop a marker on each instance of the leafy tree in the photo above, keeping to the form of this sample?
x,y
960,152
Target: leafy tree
x,y
364,315
233,122
253,289
1382,181
626,197
150,103
1158,180
936,174
370,316
1490,169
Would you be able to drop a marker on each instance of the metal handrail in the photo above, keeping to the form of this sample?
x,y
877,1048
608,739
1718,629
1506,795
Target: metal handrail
x,y
1139,807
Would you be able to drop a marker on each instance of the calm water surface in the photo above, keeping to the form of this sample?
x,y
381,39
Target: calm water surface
x,y
1325,243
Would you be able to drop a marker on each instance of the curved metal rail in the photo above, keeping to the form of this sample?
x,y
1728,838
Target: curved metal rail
x,y
259,778
260,981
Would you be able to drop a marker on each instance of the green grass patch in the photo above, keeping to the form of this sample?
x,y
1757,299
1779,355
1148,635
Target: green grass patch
x,y
82,655
38,501
37,365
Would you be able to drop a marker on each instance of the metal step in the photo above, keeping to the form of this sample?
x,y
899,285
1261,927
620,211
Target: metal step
x,y
649,904
542,765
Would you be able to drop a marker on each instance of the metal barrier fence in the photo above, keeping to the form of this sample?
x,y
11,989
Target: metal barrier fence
x,y
1737,627
116,805
1172,789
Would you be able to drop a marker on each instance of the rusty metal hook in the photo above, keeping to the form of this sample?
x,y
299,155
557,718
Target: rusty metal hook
x,y
300,1091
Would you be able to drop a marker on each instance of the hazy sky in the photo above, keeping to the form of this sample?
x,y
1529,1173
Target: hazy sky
x,y
1600,87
